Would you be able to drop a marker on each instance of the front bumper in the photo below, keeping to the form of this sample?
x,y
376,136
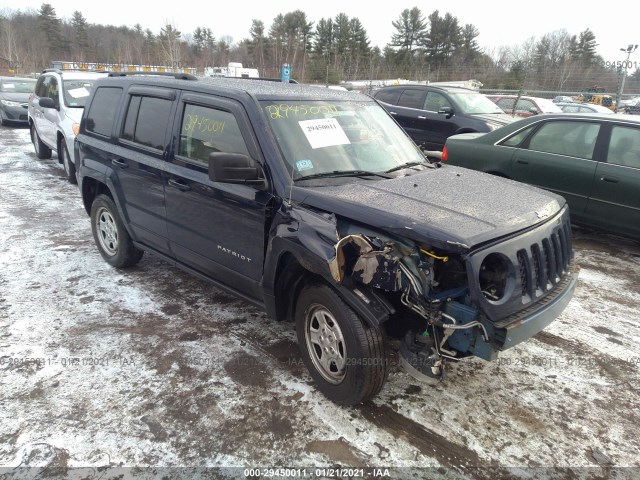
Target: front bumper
x,y
15,114
511,331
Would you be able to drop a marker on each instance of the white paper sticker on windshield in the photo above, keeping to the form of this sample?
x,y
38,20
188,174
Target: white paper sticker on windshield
x,y
324,132
9,85
79,92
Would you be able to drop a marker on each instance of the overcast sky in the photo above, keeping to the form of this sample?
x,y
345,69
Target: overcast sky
x,y
615,24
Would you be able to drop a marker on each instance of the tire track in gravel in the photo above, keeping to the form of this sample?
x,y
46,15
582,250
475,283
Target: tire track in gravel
x,y
428,442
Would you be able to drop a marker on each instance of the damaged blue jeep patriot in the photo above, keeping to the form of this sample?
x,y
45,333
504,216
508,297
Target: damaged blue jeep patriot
x,y
314,205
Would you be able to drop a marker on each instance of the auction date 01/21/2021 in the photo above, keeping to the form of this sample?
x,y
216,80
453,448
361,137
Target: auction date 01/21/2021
x,y
317,472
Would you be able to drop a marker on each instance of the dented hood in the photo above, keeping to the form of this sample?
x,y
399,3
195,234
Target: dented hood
x,y
445,206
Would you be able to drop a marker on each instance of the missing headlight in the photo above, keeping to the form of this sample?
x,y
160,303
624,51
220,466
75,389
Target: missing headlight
x,y
494,273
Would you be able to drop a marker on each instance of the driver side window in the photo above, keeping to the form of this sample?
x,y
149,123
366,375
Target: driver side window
x,y
434,102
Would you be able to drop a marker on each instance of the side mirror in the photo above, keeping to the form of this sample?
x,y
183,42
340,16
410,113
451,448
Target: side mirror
x,y
234,168
533,110
47,102
447,111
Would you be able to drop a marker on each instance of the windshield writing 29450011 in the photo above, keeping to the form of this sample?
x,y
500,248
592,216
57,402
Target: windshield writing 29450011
x,y
286,111
202,124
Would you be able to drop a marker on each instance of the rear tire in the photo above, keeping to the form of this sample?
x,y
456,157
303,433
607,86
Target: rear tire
x,y
67,161
346,357
112,239
42,151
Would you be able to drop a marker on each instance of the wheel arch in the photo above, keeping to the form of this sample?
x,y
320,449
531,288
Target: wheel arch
x,y
291,276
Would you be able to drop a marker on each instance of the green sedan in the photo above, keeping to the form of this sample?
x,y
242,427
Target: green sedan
x,y
592,160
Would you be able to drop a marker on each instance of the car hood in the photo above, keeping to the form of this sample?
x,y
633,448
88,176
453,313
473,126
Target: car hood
x,y
496,118
15,97
447,206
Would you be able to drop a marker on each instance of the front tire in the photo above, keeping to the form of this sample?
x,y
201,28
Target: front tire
x,y
112,239
67,161
42,151
346,357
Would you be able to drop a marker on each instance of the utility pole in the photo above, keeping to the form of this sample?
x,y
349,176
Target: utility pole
x,y
629,50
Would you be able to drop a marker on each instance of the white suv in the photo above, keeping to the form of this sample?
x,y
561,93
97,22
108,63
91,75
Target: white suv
x,y
55,110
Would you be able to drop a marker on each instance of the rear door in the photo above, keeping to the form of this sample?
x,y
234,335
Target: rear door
x,y
408,113
561,156
137,167
615,200
217,229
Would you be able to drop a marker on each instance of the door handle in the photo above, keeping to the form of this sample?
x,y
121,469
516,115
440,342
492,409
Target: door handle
x,y
179,185
392,113
420,117
609,179
119,163
523,162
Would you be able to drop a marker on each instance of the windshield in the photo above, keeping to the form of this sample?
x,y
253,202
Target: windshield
x,y
474,103
318,137
19,86
76,92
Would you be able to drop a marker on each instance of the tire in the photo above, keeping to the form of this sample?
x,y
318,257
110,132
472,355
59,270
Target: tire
x,y
112,239
354,366
42,151
67,162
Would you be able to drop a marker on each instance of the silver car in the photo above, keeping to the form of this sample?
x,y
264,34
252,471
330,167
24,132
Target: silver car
x,y
14,99
55,110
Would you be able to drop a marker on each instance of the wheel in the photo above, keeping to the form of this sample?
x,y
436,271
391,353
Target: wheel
x,y
112,239
67,161
346,357
42,151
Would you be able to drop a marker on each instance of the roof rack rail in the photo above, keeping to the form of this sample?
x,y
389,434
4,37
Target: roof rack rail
x,y
178,76
47,70
267,79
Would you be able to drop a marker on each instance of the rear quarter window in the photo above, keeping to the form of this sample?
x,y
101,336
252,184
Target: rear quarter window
x,y
389,96
102,111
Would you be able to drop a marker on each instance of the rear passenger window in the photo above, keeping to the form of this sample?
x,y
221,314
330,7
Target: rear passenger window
x,y
105,103
412,98
205,130
575,139
146,121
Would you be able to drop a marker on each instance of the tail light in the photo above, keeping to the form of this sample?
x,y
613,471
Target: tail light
x,y
445,154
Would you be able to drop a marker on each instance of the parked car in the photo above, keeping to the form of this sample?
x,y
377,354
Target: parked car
x,y
526,105
630,106
14,99
575,107
563,99
54,113
591,160
316,206
431,114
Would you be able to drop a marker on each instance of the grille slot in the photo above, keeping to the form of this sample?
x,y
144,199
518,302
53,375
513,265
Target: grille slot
x,y
545,263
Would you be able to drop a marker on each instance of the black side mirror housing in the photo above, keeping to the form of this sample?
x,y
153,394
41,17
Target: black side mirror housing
x,y
447,111
234,168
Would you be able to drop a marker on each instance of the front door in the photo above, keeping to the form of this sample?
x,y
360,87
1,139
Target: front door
x,y
217,229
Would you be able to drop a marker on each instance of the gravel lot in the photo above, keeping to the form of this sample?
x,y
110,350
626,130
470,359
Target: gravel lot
x,y
151,367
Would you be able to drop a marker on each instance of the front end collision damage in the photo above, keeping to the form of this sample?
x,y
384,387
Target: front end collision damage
x,y
443,299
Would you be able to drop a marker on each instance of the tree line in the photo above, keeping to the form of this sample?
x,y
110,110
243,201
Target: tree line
x,y
432,47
